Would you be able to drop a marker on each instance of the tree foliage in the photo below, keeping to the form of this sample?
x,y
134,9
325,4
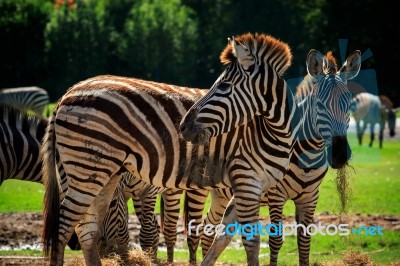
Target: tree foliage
x,y
76,44
56,43
22,41
159,41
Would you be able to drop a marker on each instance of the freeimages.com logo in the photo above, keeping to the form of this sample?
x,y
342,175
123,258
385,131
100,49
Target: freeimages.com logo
x,y
251,230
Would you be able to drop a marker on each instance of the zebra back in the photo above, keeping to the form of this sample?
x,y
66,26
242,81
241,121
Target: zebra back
x,y
366,107
26,98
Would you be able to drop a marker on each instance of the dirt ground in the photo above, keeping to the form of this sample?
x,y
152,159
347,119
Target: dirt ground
x,y
23,230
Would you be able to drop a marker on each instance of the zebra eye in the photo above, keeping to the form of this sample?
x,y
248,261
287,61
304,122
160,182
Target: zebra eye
x,y
113,203
224,85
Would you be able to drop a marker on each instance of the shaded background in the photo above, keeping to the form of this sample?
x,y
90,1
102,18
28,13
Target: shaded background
x,y
56,43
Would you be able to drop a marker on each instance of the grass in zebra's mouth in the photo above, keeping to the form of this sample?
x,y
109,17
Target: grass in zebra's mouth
x,y
343,186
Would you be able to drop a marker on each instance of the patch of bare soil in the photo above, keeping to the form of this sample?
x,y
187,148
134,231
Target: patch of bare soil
x,y
23,231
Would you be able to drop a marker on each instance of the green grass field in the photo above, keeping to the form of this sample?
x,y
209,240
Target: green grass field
x,y
375,187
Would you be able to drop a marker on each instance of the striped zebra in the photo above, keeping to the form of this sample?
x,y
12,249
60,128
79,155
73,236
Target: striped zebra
x,y
194,203
106,125
324,102
21,135
370,109
115,237
144,197
26,98
20,143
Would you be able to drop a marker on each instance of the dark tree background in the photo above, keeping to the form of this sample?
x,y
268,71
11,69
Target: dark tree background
x,y
56,43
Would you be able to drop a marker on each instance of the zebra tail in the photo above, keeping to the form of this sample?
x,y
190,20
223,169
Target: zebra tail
x,y
162,216
51,201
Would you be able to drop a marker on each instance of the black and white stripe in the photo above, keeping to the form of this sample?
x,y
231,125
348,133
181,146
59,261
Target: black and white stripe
x,y
251,103
106,125
324,101
26,98
20,138
20,144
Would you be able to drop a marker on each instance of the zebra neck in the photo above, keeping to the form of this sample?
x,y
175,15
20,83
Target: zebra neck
x,y
310,147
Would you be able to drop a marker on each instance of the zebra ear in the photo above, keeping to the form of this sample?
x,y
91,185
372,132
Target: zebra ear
x,y
351,66
243,54
314,63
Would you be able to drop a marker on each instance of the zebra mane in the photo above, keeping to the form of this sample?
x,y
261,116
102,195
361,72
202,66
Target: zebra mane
x,y
10,113
268,49
330,66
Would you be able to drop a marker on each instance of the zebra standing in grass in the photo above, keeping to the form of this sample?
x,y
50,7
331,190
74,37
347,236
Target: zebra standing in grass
x,y
26,98
324,101
106,125
372,109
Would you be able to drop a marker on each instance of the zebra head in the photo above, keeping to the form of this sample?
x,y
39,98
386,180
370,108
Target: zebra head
x,y
246,88
333,101
388,113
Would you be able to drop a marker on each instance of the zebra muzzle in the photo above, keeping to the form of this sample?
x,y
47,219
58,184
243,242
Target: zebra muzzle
x,y
189,130
339,152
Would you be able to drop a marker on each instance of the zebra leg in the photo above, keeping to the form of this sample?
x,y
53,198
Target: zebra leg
x,y
221,241
170,209
275,204
115,236
359,132
137,205
244,207
304,216
371,128
149,228
214,217
247,203
122,229
88,228
381,128
193,215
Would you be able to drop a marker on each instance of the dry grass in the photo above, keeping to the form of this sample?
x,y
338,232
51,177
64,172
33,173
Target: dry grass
x,y
135,258
356,258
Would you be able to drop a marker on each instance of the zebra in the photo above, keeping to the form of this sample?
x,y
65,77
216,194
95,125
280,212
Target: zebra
x,y
372,109
105,125
26,98
20,138
324,102
21,135
115,237
144,197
